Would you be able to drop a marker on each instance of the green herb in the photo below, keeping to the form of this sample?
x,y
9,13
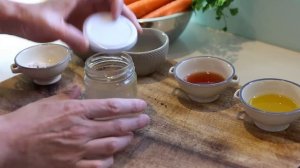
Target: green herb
x,y
218,5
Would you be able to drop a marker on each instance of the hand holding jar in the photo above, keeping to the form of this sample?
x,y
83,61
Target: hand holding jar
x,y
60,131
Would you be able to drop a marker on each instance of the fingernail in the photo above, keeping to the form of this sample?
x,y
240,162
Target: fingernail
x,y
141,105
72,91
140,29
115,16
130,134
69,89
144,120
86,44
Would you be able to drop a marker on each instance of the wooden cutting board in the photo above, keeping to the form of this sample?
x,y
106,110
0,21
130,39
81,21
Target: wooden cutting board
x,y
182,133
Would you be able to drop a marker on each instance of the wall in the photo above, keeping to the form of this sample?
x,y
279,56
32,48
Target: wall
x,y
272,21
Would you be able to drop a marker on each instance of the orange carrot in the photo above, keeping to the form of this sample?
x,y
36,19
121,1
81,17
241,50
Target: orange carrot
x,y
127,2
170,8
143,7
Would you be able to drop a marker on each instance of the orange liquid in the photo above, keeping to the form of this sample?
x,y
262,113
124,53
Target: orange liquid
x,y
273,103
205,78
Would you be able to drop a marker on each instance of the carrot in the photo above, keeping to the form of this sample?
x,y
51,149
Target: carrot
x,y
143,7
127,2
170,8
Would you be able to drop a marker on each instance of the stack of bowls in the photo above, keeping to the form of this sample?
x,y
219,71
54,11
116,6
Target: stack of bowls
x,y
150,51
172,25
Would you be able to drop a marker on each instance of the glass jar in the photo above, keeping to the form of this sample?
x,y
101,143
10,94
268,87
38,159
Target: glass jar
x,y
110,76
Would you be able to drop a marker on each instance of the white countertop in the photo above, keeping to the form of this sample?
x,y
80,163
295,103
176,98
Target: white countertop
x,y
252,59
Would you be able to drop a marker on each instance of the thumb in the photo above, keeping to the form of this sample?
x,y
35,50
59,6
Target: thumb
x,y
72,92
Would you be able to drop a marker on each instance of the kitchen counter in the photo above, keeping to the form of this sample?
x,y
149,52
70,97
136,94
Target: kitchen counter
x,y
252,59
183,133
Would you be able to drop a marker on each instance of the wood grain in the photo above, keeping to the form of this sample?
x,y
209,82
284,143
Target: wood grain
x,y
182,133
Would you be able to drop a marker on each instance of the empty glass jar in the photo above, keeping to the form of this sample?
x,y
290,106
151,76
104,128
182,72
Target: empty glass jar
x,y
110,76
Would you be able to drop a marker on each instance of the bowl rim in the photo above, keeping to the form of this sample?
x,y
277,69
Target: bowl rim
x,y
165,17
68,56
227,80
156,49
262,111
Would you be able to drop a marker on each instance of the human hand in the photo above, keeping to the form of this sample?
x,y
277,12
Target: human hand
x,y
60,19
60,132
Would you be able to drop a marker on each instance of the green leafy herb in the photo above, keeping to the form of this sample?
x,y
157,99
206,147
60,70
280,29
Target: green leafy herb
x,y
218,5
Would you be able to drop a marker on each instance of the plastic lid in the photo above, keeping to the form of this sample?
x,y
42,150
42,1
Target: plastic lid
x,y
108,35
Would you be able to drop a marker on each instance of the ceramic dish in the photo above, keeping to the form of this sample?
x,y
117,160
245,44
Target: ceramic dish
x,y
270,121
42,63
204,92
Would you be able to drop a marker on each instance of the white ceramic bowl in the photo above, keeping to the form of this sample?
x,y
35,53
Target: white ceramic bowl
x,y
150,51
270,121
203,92
43,63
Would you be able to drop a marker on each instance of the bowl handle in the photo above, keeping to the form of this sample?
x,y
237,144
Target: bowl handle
x,y
236,94
15,68
235,81
171,71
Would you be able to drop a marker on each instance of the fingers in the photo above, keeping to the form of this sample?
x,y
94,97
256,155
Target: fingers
x,y
117,127
95,108
131,16
71,36
75,39
107,146
116,8
103,163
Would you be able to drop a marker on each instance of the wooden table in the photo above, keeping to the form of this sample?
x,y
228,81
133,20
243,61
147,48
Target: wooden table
x,y
182,133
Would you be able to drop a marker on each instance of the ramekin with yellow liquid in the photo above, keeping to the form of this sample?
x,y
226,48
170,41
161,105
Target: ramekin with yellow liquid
x,y
272,103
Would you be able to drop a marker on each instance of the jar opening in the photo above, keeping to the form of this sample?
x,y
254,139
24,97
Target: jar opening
x,y
109,68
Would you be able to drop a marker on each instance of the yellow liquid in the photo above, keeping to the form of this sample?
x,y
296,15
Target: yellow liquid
x,y
273,103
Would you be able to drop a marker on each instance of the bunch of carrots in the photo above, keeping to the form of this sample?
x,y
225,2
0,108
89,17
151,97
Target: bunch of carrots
x,y
156,8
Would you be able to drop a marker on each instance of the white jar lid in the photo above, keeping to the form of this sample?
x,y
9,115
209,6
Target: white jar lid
x,y
108,35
